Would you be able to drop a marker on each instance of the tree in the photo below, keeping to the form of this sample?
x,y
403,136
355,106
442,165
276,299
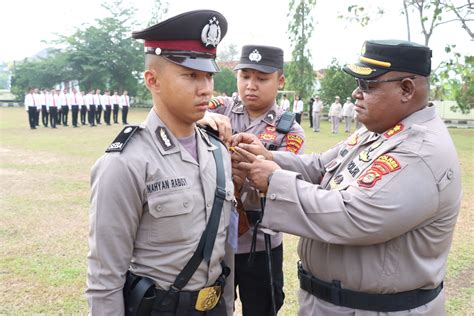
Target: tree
x,y
335,83
228,53
225,81
300,74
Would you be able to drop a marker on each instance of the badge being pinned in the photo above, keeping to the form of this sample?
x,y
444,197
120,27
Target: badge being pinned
x,y
383,165
211,33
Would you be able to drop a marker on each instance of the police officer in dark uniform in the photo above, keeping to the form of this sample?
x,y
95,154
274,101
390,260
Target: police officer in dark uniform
x,y
162,194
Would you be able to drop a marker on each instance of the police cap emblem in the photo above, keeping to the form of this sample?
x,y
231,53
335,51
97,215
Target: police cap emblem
x,y
211,33
255,56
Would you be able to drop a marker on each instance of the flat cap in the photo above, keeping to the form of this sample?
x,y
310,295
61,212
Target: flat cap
x,y
265,59
381,56
189,39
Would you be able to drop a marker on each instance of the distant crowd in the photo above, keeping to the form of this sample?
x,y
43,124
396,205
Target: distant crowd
x,y
337,112
54,106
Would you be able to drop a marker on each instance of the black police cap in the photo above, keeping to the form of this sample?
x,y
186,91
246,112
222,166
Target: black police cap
x,y
189,39
266,59
381,56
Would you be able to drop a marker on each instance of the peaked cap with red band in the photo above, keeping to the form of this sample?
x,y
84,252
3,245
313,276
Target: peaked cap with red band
x,y
189,39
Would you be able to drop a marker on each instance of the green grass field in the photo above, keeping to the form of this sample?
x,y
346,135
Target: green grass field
x,y
44,216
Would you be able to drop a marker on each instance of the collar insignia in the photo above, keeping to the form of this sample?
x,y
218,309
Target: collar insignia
x,y
164,138
270,117
394,130
211,33
255,56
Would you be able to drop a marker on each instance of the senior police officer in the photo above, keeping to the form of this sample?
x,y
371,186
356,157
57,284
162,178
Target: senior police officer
x,y
162,194
259,76
376,213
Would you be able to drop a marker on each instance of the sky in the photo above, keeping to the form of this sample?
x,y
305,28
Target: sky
x,y
265,22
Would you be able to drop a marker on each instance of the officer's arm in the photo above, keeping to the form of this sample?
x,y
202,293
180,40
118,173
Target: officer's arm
x,y
116,206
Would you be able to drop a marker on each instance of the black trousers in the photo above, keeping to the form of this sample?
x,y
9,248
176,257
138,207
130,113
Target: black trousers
x,y
124,114
64,113
83,114
44,115
53,116
298,118
98,113
107,112
75,112
115,113
311,119
37,115
31,116
254,282
92,115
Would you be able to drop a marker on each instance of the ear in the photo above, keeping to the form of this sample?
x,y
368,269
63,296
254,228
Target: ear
x,y
408,87
151,81
281,82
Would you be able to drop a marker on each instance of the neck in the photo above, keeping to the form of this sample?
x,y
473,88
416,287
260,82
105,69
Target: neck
x,y
256,113
178,128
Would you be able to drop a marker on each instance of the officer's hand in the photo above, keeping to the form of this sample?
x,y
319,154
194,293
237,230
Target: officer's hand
x,y
251,143
258,169
220,123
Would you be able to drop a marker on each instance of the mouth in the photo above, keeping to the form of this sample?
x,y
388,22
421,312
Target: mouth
x,y
203,105
251,97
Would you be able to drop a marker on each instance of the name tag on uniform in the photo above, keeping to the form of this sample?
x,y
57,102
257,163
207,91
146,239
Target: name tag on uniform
x,y
168,185
233,230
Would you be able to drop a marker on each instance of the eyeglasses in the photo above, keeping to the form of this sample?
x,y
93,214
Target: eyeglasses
x,y
364,84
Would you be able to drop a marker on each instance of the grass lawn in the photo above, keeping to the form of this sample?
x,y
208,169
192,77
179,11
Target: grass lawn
x,y
44,216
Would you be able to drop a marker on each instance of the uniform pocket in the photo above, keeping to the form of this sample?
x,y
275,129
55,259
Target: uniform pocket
x,y
172,218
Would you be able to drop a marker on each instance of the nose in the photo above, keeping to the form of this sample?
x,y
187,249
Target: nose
x,y
357,93
251,84
207,86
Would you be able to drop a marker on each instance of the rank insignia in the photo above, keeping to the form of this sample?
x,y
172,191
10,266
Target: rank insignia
x,y
382,165
211,33
270,117
353,140
122,139
294,142
164,138
394,130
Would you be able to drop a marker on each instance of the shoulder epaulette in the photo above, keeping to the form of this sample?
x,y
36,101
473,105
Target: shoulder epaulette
x,y
122,139
210,132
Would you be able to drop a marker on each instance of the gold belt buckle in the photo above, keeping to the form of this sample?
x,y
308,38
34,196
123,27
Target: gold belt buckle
x,y
208,298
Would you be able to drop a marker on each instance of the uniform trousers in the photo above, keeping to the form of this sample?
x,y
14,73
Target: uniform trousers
x,y
98,113
347,123
334,124
316,121
124,114
254,282
298,118
107,112
92,115
44,115
53,116
115,113
75,112
31,116
64,113
83,114
37,114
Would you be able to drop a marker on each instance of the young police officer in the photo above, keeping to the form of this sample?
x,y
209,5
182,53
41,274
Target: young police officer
x,y
162,194
259,76
376,213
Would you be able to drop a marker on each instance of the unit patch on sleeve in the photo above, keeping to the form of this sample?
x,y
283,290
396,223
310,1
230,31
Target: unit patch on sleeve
x,y
294,142
122,139
214,103
382,165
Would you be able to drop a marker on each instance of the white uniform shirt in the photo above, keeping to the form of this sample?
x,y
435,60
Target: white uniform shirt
x,y
317,106
298,106
29,101
348,109
124,100
335,109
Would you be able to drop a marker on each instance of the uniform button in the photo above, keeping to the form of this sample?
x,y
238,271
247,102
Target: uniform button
x,y
450,174
158,208
273,196
185,204
228,194
208,204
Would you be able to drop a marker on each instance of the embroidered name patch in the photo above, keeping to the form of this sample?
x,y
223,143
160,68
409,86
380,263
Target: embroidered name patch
x,y
168,184
381,166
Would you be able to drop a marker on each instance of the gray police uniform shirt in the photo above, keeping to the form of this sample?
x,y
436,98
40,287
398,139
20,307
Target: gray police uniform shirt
x,y
149,207
265,128
381,219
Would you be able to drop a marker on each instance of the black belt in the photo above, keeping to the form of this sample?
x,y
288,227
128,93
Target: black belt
x,y
253,217
183,300
333,293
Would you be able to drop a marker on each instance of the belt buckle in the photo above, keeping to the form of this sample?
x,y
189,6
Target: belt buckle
x,y
208,298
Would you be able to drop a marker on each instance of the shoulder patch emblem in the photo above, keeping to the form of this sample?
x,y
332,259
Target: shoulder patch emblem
x,y
269,134
294,142
215,103
394,130
382,165
353,140
122,139
164,138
